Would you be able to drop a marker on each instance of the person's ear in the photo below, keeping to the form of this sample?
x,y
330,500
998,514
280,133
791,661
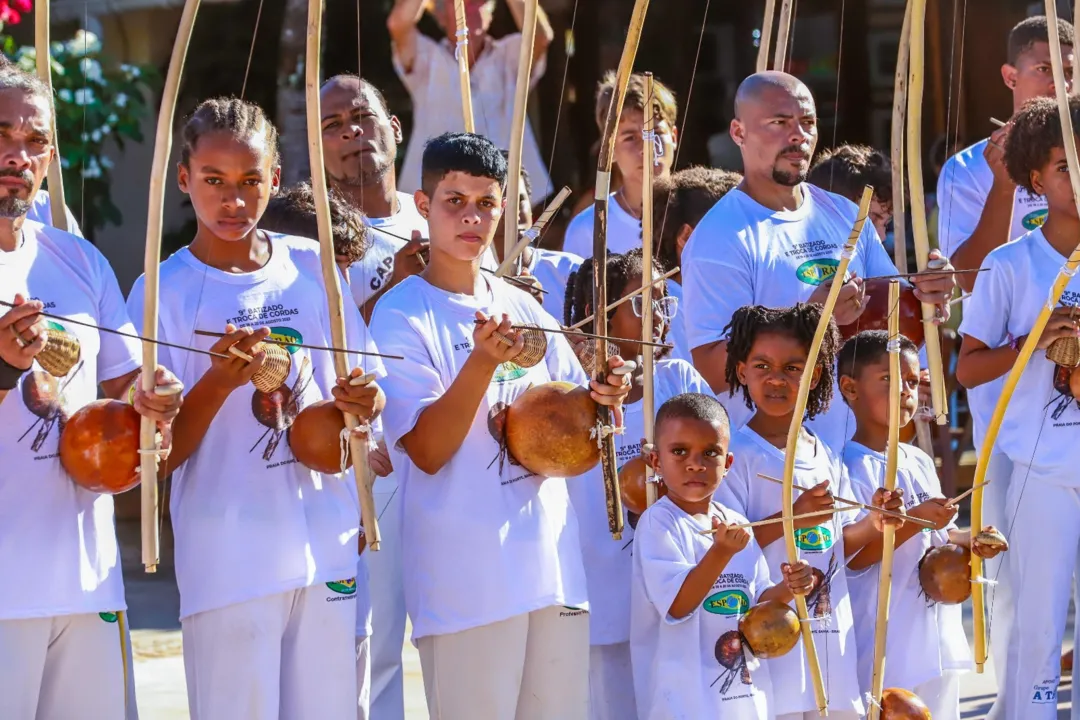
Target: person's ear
x,y
182,178
737,132
683,237
1009,75
423,203
275,180
848,388
395,125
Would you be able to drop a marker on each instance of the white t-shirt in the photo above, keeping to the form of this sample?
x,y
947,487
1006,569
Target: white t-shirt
x,y
389,234
552,269
484,539
928,635
679,671
41,211
623,233
742,253
963,186
821,546
58,551
436,97
249,520
607,561
677,331
1040,424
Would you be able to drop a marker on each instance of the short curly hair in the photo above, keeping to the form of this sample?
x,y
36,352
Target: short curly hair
x,y
292,212
683,199
1036,130
847,169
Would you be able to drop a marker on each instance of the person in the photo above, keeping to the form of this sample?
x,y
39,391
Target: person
x,y
980,207
429,70
679,203
847,169
266,549
776,240
500,613
926,649
678,571
61,636
1037,434
624,204
550,267
608,563
766,360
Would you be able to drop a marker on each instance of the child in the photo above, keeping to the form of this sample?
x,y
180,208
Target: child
x,y
607,563
495,584
292,212
766,359
624,204
679,202
266,550
928,651
847,169
677,638
1039,432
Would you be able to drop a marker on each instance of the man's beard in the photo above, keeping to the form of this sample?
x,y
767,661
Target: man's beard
x,y
12,206
367,176
788,179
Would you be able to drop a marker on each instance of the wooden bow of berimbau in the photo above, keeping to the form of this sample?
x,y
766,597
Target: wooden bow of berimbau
x,y
605,427
43,58
461,53
358,446
517,127
647,315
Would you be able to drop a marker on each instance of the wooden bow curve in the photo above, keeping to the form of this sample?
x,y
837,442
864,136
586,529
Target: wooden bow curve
x,y
43,59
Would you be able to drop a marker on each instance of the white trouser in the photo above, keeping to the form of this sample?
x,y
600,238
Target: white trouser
x,y
65,667
289,656
611,683
363,677
529,667
387,609
942,695
999,599
1042,556
813,715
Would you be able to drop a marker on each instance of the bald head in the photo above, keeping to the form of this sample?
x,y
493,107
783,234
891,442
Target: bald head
x,y
775,127
768,87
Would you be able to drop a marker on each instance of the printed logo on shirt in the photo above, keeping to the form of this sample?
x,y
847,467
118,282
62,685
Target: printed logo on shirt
x,y
815,272
287,335
277,410
568,611
1045,693
247,317
1034,220
43,396
728,602
731,656
816,538
109,617
343,587
507,372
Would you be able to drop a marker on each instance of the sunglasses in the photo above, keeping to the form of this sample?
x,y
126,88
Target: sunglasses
x,y
664,308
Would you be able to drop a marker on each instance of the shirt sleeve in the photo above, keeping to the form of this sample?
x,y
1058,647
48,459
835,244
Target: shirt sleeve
x,y
960,205
135,304
73,224
510,47
578,237
664,564
416,80
762,578
986,316
714,286
734,490
878,262
118,355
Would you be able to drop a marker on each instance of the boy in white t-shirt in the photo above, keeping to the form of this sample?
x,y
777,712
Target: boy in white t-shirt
x,y
1038,434
847,169
926,649
62,634
689,590
266,549
494,579
624,205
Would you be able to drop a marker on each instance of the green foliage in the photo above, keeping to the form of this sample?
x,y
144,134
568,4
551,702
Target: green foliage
x,y
97,101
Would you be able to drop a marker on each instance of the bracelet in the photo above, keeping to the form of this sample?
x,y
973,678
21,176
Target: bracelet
x,y
9,375
1016,342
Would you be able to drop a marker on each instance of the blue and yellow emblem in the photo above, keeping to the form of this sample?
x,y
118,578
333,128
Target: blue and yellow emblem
x,y
815,272
728,602
286,335
343,587
816,538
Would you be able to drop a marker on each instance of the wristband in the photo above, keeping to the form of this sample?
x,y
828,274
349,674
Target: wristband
x,y
9,375
1016,342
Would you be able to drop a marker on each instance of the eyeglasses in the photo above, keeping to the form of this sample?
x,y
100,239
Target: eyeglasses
x,y
664,308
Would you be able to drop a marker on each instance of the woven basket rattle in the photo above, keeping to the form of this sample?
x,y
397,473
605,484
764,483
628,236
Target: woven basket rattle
x,y
535,345
61,352
275,370
586,355
1065,351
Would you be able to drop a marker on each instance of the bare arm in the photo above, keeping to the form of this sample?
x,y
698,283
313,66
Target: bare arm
x,y
544,33
401,22
992,231
711,361
699,581
979,364
117,388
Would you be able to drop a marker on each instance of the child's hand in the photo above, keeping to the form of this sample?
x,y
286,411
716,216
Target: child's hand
x,y
1062,323
813,499
491,349
887,500
799,578
229,374
614,389
989,543
358,400
936,511
729,539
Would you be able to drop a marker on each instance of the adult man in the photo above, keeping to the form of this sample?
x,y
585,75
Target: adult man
x,y
430,72
775,240
60,648
981,208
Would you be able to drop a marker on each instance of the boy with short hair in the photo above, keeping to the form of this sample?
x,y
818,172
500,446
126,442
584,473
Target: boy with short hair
x,y
495,584
624,204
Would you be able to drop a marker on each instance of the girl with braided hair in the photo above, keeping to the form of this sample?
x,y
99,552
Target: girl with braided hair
x,y
266,549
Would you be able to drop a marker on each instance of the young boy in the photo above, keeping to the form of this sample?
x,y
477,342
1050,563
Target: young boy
x,y
624,205
689,589
1038,434
494,583
927,651
847,169
679,202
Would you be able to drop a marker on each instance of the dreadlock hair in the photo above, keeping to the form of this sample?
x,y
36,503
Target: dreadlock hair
x,y
1035,29
867,348
1035,132
847,169
232,115
799,322
292,212
620,270
694,406
683,199
461,152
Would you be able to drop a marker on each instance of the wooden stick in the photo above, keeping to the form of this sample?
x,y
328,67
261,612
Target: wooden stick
x,y
925,273
647,355
766,36
159,176
517,125
523,284
782,33
533,233
462,53
998,122
358,447
857,504
625,298
42,48
784,519
967,492
578,333
285,343
899,115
